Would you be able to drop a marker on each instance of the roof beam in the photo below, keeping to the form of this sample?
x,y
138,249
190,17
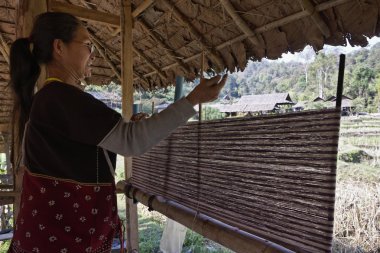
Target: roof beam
x,y
243,26
264,28
211,52
145,83
161,43
138,10
103,45
96,16
142,7
102,51
105,57
150,63
85,13
114,20
316,17
137,51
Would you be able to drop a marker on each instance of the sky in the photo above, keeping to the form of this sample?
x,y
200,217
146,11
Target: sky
x,y
347,49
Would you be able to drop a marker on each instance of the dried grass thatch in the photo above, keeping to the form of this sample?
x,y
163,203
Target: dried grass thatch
x,y
170,36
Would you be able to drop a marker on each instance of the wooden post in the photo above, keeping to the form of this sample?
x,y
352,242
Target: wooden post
x,y
26,12
127,104
201,77
7,154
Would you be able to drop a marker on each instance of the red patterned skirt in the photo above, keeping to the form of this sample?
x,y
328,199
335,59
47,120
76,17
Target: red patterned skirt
x,y
65,216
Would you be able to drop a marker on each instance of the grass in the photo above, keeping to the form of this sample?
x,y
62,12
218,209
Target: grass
x,y
357,219
4,245
357,204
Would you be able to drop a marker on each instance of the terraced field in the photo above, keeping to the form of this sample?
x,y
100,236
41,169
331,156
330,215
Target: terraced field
x,y
357,214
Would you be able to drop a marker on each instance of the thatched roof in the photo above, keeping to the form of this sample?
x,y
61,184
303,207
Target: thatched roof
x,y
257,103
274,98
170,36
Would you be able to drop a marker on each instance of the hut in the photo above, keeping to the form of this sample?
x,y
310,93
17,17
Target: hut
x,y
347,106
259,104
319,99
145,44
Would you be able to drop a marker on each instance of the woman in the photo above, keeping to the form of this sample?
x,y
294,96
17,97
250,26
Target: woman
x,y
70,141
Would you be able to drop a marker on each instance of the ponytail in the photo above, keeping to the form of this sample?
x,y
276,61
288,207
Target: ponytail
x,y
24,72
25,56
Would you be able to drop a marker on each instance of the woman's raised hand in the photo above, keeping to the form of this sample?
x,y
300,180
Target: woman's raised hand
x,y
208,90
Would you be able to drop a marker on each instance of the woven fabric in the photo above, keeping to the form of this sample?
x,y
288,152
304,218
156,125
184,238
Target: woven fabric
x,y
272,176
65,216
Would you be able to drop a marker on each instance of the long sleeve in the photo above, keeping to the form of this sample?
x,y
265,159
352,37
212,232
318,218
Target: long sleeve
x,y
135,138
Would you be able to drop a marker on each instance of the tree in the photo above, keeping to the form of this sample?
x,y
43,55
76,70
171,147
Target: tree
x,y
362,77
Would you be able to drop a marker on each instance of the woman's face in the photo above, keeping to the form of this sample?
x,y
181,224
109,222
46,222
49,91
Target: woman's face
x,y
80,53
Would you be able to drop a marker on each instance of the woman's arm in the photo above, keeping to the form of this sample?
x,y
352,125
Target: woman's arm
x,y
135,138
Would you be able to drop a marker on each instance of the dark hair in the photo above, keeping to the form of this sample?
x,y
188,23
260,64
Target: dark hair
x,y
27,53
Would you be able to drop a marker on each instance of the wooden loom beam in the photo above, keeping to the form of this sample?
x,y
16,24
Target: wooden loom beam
x,y
126,21
316,17
212,53
264,28
228,236
243,26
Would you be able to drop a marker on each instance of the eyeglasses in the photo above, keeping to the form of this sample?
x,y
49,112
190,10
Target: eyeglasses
x,y
89,45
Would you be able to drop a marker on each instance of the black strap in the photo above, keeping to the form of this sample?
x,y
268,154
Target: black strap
x,y
127,190
150,202
134,196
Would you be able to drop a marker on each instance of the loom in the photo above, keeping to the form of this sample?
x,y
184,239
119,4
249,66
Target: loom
x,y
270,178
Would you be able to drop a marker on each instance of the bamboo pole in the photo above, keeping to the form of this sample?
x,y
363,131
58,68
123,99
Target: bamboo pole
x,y
10,193
230,237
127,105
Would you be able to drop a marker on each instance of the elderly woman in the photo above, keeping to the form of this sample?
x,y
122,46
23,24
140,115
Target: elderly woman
x,y
70,140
